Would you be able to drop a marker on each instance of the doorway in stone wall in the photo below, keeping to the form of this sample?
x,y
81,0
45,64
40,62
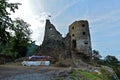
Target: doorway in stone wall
x,y
74,44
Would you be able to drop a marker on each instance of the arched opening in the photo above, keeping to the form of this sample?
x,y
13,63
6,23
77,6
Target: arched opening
x,y
0,23
83,25
72,27
73,35
84,33
50,28
86,43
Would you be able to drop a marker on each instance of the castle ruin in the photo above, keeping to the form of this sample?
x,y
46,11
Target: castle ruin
x,y
75,48
80,37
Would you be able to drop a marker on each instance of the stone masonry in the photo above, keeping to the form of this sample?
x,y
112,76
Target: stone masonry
x,y
80,37
70,48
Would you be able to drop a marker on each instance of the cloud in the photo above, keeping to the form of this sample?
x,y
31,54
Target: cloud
x,y
66,7
107,17
42,17
37,22
105,30
102,23
37,25
86,9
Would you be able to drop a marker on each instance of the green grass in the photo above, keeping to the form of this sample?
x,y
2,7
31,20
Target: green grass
x,y
78,75
90,76
58,78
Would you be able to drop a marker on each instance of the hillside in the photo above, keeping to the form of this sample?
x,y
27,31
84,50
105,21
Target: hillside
x,y
15,71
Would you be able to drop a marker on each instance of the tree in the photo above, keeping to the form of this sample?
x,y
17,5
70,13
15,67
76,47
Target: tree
x,y
21,37
114,63
17,45
96,56
111,60
5,21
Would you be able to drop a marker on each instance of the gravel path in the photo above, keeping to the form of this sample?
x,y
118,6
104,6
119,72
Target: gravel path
x,y
15,72
33,76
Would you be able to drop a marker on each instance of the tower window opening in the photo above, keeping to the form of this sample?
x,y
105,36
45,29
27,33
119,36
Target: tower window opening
x,y
73,27
83,25
0,23
73,35
50,28
84,33
86,43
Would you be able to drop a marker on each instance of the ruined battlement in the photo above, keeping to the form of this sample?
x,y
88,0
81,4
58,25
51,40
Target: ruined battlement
x,y
76,43
51,32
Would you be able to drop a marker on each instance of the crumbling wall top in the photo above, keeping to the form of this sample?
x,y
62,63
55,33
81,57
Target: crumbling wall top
x,y
51,32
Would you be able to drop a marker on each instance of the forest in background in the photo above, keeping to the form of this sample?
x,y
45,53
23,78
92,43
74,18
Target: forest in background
x,y
15,38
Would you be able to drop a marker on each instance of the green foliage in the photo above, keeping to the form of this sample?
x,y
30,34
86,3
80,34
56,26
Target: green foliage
x,y
112,62
7,51
17,44
58,78
117,71
106,74
85,75
14,35
31,48
96,55
5,21
21,37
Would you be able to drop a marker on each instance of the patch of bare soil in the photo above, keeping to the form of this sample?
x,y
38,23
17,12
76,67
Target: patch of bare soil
x,y
15,71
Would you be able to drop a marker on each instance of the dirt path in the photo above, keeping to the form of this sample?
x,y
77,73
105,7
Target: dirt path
x,y
18,72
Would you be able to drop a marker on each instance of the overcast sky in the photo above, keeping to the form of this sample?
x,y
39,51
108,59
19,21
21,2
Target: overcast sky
x,y
103,17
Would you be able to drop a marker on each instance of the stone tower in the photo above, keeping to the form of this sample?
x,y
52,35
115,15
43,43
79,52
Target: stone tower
x,y
80,37
74,49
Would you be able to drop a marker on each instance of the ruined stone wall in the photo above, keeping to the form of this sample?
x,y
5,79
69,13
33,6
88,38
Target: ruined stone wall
x,y
52,39
53,43
63,49
51,32
80,37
